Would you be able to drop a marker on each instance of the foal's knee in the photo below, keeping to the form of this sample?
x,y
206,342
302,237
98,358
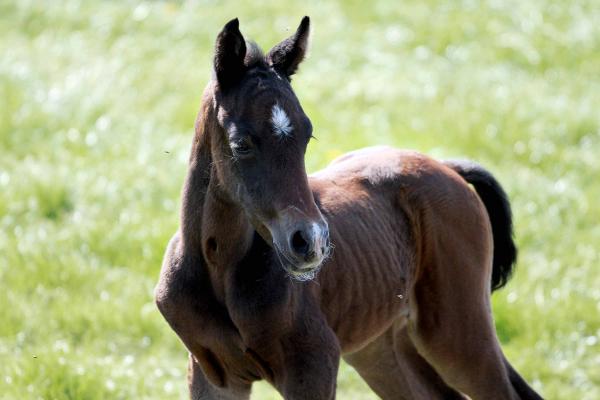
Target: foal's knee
x,y
163,299
168,299
170,303
167,292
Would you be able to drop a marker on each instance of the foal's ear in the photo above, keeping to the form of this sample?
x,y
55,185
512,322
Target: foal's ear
x,y
230,51
287,55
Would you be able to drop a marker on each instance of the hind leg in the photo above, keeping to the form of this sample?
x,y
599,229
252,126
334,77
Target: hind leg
x,y
202,389
467,357
451,323
394,370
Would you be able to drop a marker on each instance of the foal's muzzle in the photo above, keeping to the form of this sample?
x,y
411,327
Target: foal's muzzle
x,y
310,242
302,244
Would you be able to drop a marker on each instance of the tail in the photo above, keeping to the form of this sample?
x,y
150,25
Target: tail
x,y
498,208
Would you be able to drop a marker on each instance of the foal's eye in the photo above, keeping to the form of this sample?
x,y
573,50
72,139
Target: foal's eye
x,y
241,148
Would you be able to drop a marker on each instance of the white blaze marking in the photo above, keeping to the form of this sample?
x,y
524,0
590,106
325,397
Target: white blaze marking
x,y
281,122
318,237
321,240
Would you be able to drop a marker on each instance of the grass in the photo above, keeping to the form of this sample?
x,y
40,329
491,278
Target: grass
x,y
97,103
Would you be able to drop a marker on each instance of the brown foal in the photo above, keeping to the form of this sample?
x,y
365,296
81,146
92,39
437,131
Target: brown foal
x,y
386,257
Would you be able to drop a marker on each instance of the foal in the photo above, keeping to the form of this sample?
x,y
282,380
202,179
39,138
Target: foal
x,y
405,296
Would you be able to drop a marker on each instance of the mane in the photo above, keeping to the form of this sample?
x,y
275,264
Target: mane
x,y
254,56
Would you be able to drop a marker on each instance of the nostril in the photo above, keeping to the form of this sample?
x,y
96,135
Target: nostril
x,y
299,243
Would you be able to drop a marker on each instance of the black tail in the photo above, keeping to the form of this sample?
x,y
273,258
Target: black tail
x,y
498,208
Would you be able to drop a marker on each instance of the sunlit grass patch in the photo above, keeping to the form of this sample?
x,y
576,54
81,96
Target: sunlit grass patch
x,y
97,105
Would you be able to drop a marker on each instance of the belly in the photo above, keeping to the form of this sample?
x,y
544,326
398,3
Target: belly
x,y
364,284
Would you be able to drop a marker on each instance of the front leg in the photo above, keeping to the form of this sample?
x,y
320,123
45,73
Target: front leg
x,y
312,356
184,298
202,389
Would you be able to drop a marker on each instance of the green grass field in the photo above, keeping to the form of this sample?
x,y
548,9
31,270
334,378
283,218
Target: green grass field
x,y
97,103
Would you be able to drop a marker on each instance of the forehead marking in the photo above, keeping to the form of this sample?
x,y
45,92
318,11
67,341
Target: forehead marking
x,y
281,123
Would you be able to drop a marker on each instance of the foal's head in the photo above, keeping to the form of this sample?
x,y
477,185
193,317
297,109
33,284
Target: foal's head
x,y
258,146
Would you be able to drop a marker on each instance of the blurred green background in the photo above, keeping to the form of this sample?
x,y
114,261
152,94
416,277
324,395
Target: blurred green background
x,y
97,103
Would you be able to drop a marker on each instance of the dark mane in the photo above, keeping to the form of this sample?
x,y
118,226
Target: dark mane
x,y
254,56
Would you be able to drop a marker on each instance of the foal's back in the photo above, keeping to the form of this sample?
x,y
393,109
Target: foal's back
x,y
374,200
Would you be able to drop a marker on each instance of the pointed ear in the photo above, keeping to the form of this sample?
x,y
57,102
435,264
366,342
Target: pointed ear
x,y
287,55
230,51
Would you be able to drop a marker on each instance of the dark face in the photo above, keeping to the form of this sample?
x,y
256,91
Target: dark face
x,y
260,154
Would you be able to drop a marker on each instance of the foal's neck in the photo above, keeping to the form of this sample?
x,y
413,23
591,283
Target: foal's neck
x,y
226,230
217,231
213,226
210,221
